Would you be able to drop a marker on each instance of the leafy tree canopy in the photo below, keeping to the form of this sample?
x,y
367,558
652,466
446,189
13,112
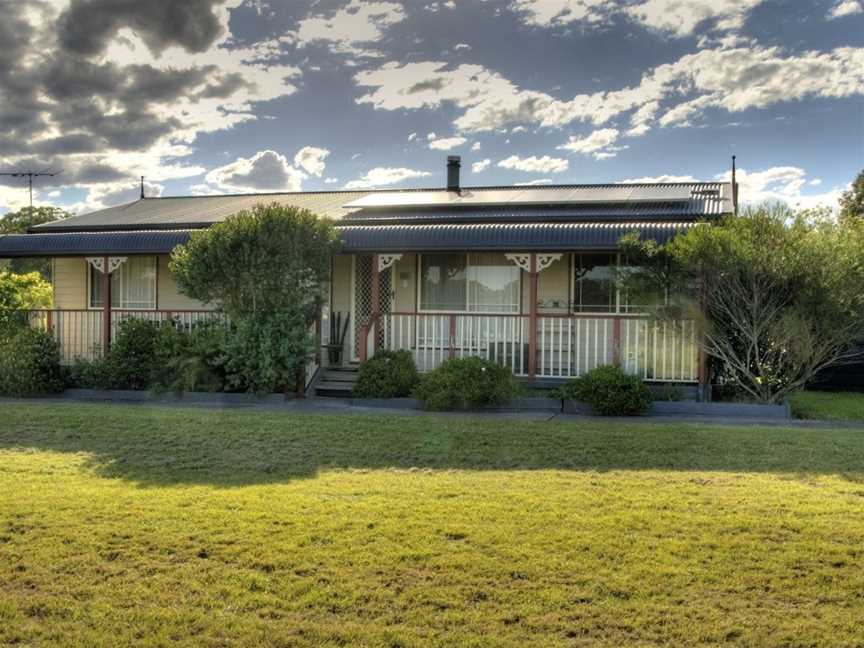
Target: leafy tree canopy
x,y
852,201
267,269
18,293
17,222
781,292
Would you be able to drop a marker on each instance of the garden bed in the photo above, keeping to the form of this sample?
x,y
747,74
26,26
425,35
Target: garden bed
x,y
530,403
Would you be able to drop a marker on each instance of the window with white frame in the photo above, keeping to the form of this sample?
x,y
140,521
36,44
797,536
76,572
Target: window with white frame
x,y
474,283
597,286
133,285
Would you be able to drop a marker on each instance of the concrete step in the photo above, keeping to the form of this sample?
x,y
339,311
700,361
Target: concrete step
x,y
340,388
339,375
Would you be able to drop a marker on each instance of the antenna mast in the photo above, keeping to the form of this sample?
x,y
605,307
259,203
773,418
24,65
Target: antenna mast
x,y
29,175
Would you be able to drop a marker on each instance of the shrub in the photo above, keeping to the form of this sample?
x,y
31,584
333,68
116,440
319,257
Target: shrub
x,y
139,352
199,364
388,374
466,382
609,391
30,364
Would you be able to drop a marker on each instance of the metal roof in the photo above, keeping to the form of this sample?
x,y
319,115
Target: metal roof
x,y
92,243
498,236
366,238
594,194
631,201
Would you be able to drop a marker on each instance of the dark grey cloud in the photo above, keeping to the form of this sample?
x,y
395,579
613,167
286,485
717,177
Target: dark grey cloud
x,y
68,173
87,26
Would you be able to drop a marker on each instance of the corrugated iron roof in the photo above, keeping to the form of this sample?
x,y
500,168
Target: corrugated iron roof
x,y
705,200
366,238
92,243
502,236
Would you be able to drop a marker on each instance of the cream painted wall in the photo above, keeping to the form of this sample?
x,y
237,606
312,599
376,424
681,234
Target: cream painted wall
x,y
405,284
70,286
70,282
341,283
168,295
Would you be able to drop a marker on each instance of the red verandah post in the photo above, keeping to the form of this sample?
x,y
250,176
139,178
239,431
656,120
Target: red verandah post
x,y
616,341
376,303
106,307
532,320
452,336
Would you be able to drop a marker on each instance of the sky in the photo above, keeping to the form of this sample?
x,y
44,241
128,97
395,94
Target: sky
x,y
244,96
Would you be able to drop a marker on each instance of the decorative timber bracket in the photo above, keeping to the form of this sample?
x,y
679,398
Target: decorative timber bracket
x,y
387,260
99,263
523,260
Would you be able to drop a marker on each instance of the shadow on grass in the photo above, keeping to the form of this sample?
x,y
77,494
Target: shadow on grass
x,y
155,446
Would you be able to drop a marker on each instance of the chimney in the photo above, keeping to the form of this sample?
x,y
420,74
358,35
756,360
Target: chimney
x,y
454,162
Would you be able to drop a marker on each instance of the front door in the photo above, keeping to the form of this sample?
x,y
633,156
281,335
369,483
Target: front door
x,y
362,298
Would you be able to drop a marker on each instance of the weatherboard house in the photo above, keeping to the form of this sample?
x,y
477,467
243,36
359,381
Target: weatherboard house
x,y
523,276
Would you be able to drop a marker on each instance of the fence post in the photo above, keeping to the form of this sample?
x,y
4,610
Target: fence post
x,y
532,320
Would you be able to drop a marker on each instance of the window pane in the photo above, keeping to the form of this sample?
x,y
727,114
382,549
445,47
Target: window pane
x,y
133,284
594,283
493,284
442,283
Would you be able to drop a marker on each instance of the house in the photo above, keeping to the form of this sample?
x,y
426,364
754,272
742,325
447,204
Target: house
x,y
523,276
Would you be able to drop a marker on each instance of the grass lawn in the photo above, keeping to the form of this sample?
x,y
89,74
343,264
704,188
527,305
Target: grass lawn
x,y
146,526
828,406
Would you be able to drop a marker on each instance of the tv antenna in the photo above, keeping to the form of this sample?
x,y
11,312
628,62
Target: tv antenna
x,y
29,175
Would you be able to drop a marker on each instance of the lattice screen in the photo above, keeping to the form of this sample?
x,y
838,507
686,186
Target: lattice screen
x,y
363,298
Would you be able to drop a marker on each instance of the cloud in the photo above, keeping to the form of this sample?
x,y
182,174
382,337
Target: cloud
x,y
461,46
598,144
446,143
382,176
476,146
481,166
779,183
532,183
845,8
264,171
676,17
351,29
729,79
107,90
534,164
311,160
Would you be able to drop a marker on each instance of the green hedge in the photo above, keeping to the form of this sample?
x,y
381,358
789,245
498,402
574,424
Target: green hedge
x,y
388,374
609,391
29,364
465,383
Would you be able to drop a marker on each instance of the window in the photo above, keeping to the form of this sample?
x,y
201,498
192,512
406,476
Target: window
x,y
133,285
476,283
594,289
596,286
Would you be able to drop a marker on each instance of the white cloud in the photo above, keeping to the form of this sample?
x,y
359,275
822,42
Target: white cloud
x,y
461,46
845,8
677,17
311,159
264,171
531,183
382,176
476,146
598,144
412,137
781,183
730,79
351,29
447,143
331,180
481,166
534,164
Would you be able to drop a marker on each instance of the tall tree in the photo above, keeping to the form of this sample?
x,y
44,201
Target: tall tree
x,y
18,222
852,201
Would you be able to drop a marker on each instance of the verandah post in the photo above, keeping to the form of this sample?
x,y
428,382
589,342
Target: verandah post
x,y
106,307
376,302
532,319
452,351
616,341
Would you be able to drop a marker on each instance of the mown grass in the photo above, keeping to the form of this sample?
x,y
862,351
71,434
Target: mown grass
x,y
147,526
828,406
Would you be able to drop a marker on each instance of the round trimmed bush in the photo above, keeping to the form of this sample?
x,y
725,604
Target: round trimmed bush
x,y
463,383
388,374
609,391
30,364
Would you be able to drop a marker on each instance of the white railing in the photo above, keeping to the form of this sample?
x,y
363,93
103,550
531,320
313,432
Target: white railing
x,y
434,338
565,346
